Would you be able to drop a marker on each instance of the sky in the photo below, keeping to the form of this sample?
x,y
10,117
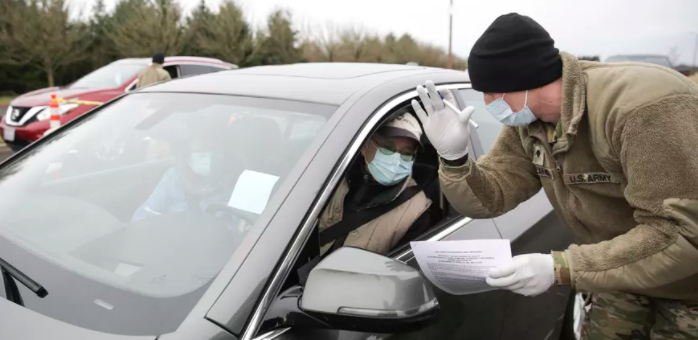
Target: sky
x,y
581,27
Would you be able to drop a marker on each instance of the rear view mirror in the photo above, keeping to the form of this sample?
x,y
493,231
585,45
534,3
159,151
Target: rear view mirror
x,y
357,290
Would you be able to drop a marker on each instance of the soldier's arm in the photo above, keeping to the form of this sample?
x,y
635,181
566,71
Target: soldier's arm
x,y
656,145
496,183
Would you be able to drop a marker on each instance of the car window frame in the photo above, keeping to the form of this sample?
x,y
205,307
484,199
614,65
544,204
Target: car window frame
x,y
209,66
304,233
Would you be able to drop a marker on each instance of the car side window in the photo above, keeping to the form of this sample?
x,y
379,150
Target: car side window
x,y
192,70
489,127
360,192
173,71
213,69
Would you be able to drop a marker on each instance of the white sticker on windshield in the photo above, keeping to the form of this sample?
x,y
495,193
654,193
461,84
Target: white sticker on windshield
x,y
252,191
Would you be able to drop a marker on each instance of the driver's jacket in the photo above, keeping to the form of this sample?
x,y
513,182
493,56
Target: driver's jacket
x,y
620,169
384,232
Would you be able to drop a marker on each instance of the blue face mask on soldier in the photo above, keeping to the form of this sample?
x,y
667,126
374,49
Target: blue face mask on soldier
x,y
389,169
503,113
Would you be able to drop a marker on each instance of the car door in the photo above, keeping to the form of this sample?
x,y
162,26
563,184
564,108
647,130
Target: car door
x,y
475,316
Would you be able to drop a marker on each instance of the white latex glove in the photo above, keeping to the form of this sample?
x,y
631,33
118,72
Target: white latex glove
x,y
447,129
529,274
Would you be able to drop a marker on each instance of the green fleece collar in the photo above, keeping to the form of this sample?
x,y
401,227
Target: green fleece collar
x,y
573,105
573,100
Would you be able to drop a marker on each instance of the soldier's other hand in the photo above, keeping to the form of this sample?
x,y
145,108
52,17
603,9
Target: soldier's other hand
x,y
529,274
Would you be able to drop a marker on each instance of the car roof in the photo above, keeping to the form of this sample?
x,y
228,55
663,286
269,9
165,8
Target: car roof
x,y
176,59
327,83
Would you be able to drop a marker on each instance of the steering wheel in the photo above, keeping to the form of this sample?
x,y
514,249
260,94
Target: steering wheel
x,y
247,216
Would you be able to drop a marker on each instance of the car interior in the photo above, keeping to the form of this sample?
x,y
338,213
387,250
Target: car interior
x,y
173,70
425,173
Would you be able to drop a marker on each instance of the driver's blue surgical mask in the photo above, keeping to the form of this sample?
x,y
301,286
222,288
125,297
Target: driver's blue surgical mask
x,y
200,163
389,169
503,113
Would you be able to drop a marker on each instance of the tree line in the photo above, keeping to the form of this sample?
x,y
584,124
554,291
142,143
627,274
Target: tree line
x,y
41,45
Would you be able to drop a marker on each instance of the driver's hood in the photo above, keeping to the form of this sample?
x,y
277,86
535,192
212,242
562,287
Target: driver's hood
x,y
18,322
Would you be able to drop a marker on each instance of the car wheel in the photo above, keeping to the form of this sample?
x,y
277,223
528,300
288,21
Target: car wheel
x,y
578,307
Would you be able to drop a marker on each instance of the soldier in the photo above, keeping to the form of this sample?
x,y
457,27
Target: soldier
x,y
614,148
154,73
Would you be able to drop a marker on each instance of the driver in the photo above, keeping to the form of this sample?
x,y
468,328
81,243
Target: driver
x,y
382,173
197,180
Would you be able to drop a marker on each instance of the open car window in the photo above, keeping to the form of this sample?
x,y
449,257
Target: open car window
x,y
137,206
489,127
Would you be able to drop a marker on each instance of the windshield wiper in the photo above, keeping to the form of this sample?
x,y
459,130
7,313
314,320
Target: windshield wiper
x,y
11,291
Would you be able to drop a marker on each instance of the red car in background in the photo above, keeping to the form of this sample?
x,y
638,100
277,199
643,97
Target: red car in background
x,y
28,117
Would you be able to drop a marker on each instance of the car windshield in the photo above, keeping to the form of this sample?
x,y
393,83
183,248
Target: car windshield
x,y
658,60
110,76
127,215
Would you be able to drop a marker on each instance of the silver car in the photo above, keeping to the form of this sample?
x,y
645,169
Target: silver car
x,y
104,236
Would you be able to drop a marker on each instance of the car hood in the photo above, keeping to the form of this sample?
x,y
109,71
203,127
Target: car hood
x,y
42,97
21,323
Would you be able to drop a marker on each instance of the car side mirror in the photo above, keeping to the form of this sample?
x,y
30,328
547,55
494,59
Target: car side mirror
x,y
357,290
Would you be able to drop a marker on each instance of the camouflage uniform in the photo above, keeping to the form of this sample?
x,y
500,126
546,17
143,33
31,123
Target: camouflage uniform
x,y
637,317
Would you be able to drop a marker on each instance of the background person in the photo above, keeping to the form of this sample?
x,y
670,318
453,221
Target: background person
x,y
154,73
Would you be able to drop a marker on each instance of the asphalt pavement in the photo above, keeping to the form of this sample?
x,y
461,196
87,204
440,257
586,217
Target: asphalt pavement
x,y
4,152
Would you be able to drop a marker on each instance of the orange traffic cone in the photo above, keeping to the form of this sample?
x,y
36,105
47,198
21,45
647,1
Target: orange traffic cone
x,y
55,112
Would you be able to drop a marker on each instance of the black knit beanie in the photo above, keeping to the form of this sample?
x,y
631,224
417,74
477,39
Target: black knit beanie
x,y
158,58
514,54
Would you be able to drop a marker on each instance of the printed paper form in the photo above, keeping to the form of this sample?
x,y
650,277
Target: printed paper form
x,y
461,267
